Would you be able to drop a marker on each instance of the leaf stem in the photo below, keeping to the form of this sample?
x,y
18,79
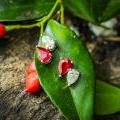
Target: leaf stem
x,y
12,27
62,12
49,15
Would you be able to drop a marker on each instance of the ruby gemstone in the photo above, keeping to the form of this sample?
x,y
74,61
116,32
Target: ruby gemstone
x,y
44,55
64,66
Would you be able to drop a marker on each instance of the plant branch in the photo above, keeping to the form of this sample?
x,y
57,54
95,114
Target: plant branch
x,y
62,12
12,27
49,15
42,21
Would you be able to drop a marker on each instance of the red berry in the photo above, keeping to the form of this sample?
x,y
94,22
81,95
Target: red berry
x,y
31,67
44,55
2,30
64,66
31,80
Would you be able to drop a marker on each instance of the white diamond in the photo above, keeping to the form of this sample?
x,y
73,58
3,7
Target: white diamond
x,y
47,42
72,76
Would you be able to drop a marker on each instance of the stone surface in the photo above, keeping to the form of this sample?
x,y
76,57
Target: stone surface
x,y
14,59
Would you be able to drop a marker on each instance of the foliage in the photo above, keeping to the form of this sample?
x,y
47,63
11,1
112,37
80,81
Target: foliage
x,y
17,10
76,101
107,98
94,10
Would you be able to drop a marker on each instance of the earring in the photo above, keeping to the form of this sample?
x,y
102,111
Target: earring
x,y
45,45
47,42
64,66
72,76
44,55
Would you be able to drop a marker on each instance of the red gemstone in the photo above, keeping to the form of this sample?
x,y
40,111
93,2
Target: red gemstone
x,y
44,55
2,30
64,66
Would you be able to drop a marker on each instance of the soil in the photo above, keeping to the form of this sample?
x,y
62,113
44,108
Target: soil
x,y
14,58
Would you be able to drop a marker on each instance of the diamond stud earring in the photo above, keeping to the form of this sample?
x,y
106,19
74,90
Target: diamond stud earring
x,y
47,42
72,76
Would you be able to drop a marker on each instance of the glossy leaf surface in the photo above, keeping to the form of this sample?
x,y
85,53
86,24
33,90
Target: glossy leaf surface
x,y
76,101
94,10
16,10
107,98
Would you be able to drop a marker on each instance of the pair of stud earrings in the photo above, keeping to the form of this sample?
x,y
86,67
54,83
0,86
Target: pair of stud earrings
x,y
65,67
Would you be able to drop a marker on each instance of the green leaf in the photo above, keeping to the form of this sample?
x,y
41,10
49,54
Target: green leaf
x,y
16,10
76,101
107,98
94,10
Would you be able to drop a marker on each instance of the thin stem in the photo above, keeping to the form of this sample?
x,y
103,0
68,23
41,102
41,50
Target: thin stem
x,y
53,9
41,19
42,28
12,27
62,12
49,15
